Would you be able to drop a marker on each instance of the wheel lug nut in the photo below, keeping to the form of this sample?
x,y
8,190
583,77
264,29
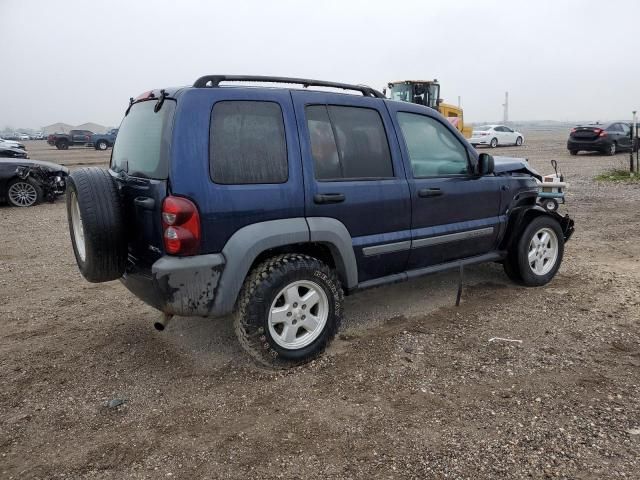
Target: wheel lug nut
x,y
288,314
295,305
294,322
304,306
303,317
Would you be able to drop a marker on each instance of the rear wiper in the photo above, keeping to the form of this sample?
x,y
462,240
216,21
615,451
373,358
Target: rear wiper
x,y
160,101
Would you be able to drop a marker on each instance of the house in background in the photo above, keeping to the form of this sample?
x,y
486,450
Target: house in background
x,y
57,128
65,127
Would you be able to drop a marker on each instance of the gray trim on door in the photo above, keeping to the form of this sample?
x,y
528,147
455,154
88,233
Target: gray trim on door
x,y
452,237
425,242
386,248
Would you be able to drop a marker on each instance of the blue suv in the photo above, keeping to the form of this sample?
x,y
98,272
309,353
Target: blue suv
x,y
272,203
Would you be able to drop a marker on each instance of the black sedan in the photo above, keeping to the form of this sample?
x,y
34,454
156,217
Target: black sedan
x,y
605,138
24,182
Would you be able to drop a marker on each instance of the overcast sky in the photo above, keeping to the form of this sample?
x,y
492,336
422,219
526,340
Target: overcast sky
x,y
80,61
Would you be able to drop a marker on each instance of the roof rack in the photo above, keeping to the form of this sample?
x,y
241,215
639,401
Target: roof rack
x,y
214,81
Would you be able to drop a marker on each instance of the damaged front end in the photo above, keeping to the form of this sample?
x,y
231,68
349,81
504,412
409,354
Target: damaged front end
x,y
52,182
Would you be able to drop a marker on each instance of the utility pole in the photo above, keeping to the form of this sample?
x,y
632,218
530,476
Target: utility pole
x,y
459,101
505,117
633,140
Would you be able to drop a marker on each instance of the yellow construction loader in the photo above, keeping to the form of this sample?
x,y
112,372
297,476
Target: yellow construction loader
x,y
427,92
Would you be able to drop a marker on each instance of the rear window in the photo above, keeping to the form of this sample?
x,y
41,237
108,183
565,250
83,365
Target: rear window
x,y
247,143
482,128
138,147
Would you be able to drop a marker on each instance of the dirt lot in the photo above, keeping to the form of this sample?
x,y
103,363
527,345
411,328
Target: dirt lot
x,y
411,389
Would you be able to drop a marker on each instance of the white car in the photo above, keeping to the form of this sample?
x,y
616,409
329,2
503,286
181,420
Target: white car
x,y
11,143
24,136
494,135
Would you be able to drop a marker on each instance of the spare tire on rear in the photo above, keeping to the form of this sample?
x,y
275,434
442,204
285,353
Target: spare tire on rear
x,y
96,224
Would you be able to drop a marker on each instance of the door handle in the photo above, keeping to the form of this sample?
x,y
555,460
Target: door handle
x,y
322,198
145,203
429,192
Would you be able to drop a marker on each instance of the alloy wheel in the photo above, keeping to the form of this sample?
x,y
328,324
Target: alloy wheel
x,y
23,194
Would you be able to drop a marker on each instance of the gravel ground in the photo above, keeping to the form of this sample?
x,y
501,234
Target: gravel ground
x,y
412,388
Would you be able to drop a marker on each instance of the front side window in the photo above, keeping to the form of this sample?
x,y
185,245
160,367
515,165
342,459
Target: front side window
x,y
348,143
433,150
247,143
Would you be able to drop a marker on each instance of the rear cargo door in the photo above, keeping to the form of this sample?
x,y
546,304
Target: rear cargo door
x,y
140,165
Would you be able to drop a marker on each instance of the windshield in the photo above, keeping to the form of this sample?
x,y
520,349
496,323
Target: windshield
x,y
138,148
426,93
400,91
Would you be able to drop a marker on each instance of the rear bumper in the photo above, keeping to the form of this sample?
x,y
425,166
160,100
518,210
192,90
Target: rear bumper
x,y
480,140
184,286
598,145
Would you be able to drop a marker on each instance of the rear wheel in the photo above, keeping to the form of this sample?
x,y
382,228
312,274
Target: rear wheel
x,y
612,149
573,152
536,256
289,309
24,193
62,145
494,143
96,224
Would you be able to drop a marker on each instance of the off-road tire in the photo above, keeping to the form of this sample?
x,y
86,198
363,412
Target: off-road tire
x,y
573,152
30,181
102,222
516,265
62,145
493,143
257,295
102,145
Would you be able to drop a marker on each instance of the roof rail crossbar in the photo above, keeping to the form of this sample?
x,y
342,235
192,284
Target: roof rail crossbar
x,y
215,80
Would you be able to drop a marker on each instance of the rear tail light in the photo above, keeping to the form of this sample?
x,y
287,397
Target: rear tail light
x,y
180,226
573,130
602,133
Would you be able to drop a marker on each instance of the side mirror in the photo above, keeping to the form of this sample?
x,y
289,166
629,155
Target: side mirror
x,y
486,165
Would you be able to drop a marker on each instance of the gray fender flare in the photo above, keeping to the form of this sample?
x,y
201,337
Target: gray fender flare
x,y
333,234
246,244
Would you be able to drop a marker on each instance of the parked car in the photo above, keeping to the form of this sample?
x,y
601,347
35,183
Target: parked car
x,y
272,203
604,138
24,136
494,135
102,141
25,183
63,141
39,136
12,143
9,151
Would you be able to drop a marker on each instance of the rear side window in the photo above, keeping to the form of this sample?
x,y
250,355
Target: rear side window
x,y
348,143
247,143
138,147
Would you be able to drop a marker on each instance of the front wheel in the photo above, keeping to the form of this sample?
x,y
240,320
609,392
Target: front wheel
x,y
24,193
494,143
536,256
289,310
573,152
101,145
518,141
